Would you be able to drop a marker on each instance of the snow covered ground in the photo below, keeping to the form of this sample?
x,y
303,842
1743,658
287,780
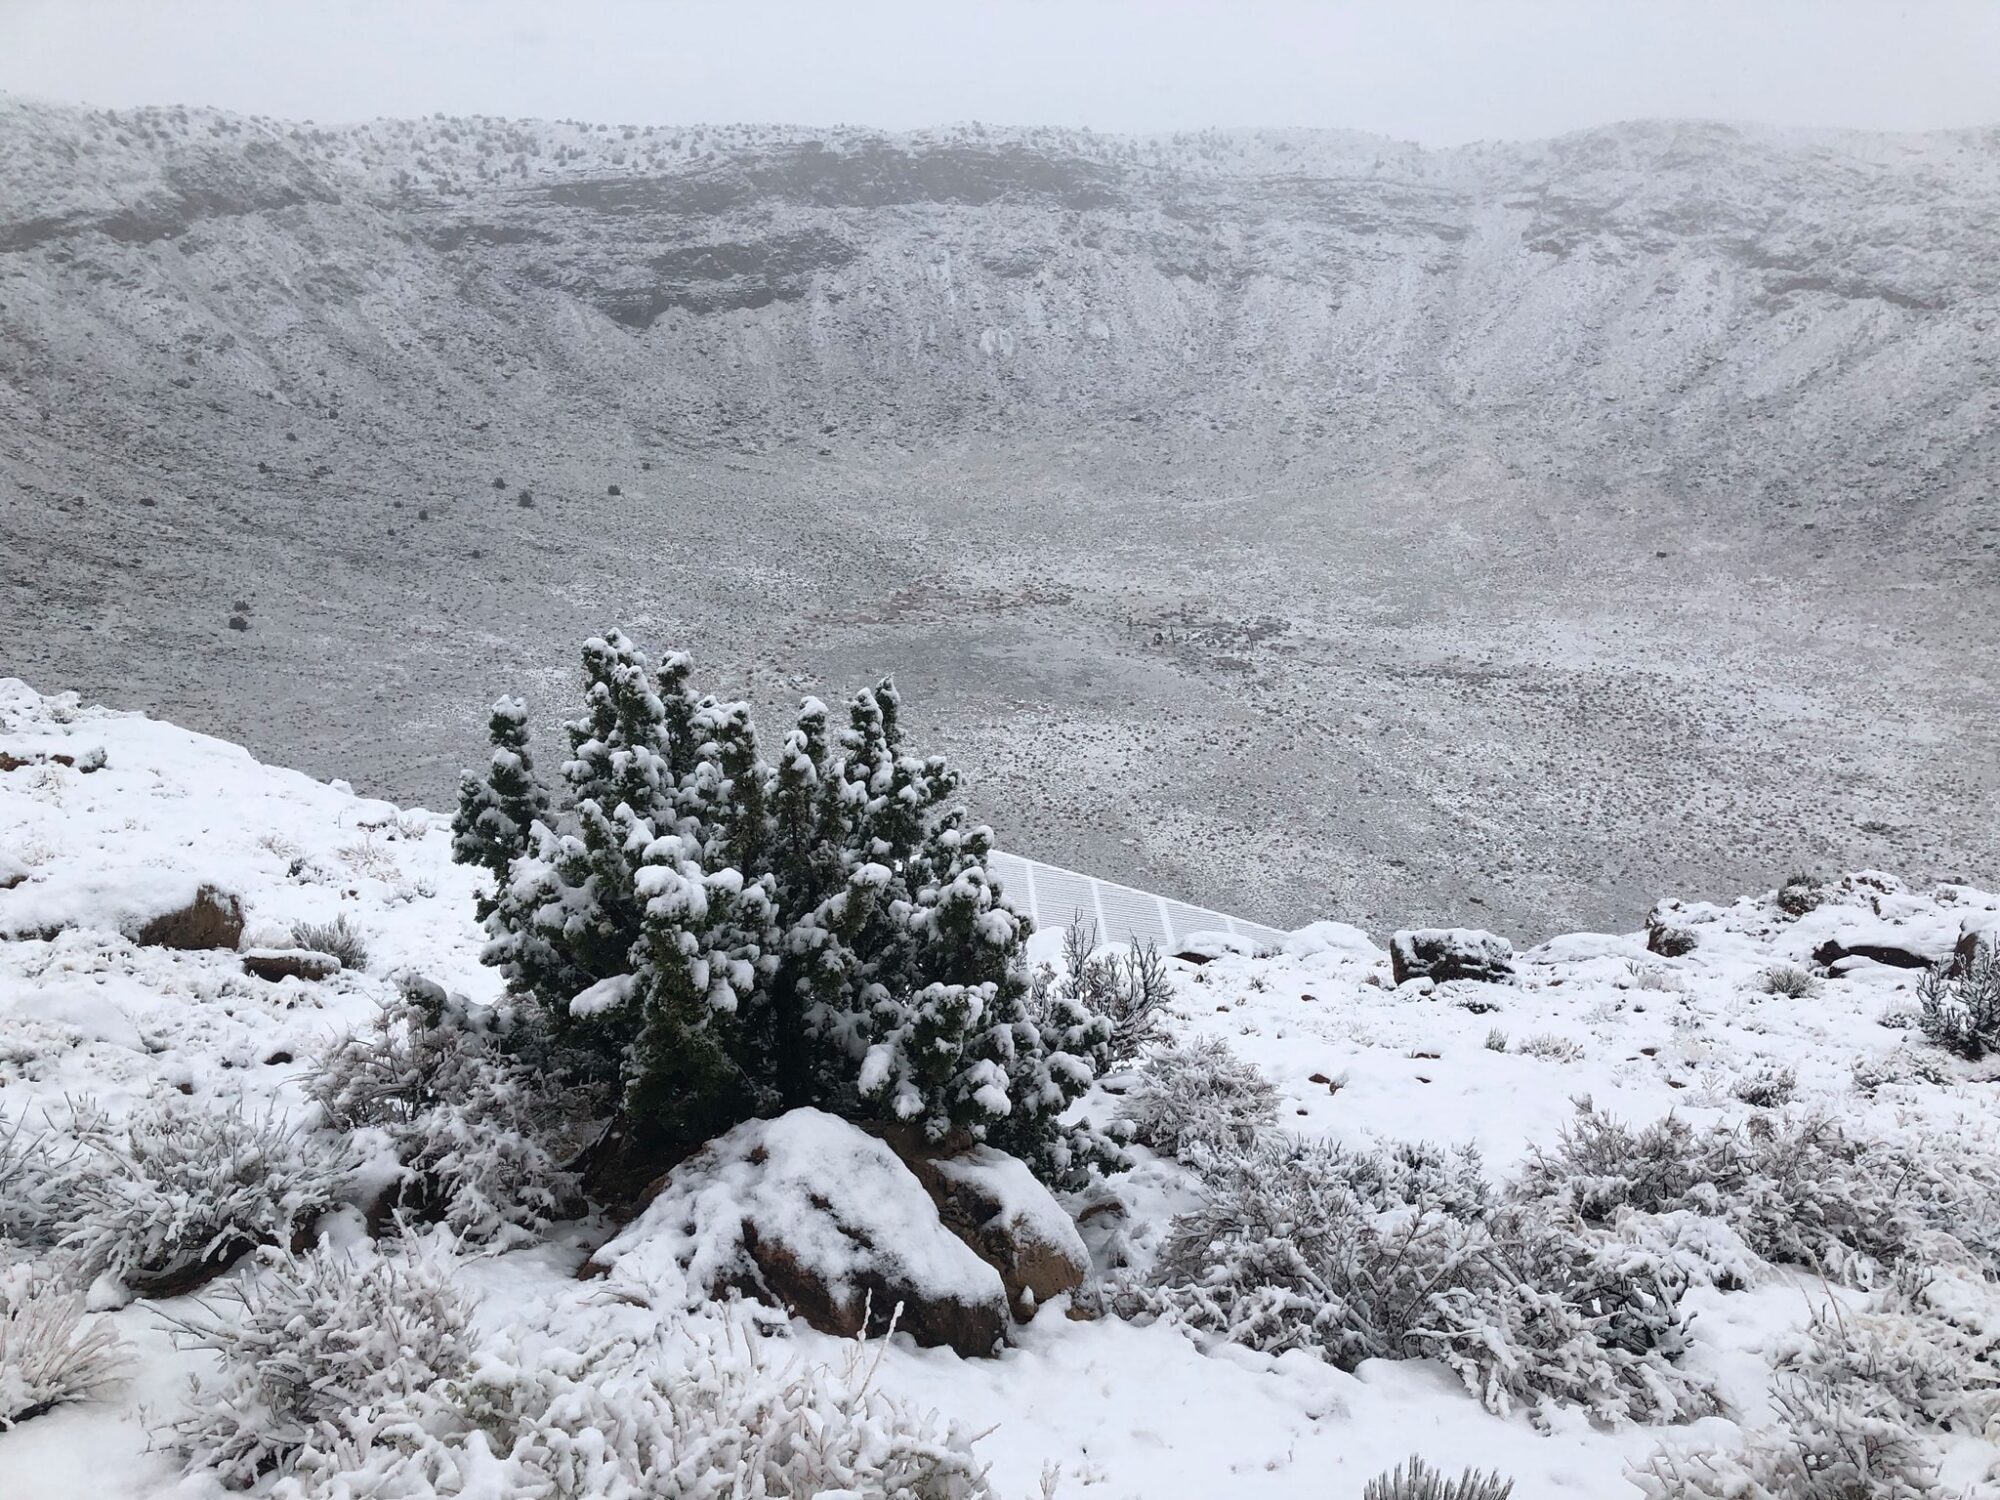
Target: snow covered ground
x,y
1113,1408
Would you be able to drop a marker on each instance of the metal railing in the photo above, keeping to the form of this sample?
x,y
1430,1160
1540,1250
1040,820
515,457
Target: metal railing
x,y
1055,897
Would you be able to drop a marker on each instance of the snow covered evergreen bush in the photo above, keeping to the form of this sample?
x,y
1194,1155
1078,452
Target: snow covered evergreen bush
x,y
719,937
699,1414
483,1133
316,1342
50,1354
1959,1002
1407,1254
1417,1480
1196,1097
172,1193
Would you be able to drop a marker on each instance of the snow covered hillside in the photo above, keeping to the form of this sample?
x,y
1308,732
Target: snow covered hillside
x,y
1816,1227
1617,508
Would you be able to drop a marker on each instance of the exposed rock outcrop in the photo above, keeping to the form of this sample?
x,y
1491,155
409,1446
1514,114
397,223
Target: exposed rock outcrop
x,y
1445,953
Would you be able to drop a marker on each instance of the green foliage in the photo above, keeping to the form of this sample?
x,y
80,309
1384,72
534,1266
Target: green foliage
x,y
496,811
721,937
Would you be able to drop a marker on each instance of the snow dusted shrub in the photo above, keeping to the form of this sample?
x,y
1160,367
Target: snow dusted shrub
x,y
339,939
172,1194
1959,1002
698,1415
1551,1048
1800,894
50,1355
314,1342
720,938
1904,1065
1857,1400
34,1168
1565,1315
1290,1250
482,1132
1799,1189
1129,991
1789,982
1198,1097
1416,1480
1405,1254
1767,1086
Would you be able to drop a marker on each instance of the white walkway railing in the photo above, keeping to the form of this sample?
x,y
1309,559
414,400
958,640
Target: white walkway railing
x,y
1055,897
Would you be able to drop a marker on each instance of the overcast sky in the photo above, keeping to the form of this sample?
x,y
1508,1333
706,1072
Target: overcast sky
x,y
1426,70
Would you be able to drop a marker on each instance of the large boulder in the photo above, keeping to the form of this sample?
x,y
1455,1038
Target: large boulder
x,y
212,919
992,1202
809,1213
1443,953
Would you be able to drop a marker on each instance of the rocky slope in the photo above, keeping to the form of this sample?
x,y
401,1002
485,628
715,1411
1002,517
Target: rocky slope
x,y
1619,507
1693,304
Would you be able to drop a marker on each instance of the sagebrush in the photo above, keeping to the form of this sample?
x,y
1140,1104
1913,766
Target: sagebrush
x,y
484,1135
314,1343
170,1194
1197,1097
702,1411
51,1353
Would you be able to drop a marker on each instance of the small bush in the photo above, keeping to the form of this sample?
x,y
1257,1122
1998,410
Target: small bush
x,y
1416,1480
178,1190
1129,990
1857,1402
1551,1048
1789,982
1800,894
702,1414
1198,1097
317,1340
482,1132
1496,1040
340,938
1959,1002
49,1355
1766,1086
1356,1255
1800,1190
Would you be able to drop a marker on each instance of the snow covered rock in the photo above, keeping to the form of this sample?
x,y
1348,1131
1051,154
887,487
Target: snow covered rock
x,y
212,919
156,908
290,963
1335,938
12,871
1442,953
994,1203
810,1213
